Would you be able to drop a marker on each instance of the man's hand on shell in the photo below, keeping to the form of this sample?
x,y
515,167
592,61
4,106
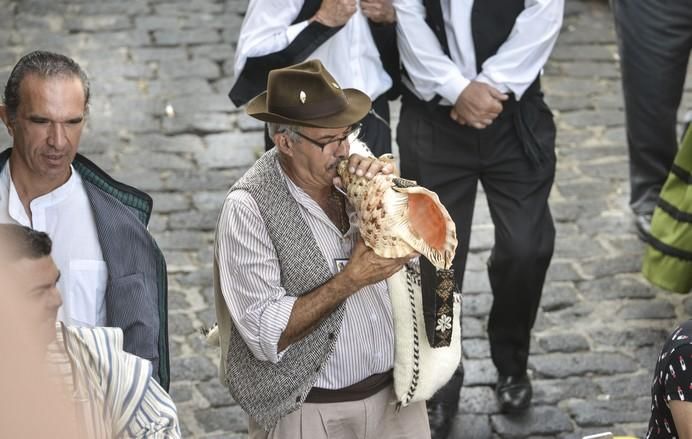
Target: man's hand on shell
x,y
365,267
366,166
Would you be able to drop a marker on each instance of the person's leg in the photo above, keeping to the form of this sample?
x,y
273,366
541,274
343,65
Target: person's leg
x,y
443,157
654,41
517,194
376,131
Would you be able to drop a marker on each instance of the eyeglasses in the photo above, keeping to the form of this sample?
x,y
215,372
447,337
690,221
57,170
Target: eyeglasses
x,y
353,131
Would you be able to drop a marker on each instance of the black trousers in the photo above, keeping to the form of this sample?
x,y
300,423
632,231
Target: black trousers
x,y
376,132
655,40
450,160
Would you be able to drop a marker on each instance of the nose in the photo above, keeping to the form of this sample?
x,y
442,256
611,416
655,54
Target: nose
x,y
344,148
57,135
55,300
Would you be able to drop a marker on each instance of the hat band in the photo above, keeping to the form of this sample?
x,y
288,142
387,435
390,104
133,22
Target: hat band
x,y
314,110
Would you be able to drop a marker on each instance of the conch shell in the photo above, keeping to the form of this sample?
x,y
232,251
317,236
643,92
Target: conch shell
x,y
397,216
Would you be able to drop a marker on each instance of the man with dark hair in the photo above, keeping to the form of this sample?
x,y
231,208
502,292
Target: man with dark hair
x,y
473,111
113,272
113,391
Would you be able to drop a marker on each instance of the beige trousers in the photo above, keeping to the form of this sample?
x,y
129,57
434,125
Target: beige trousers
x,y
370,418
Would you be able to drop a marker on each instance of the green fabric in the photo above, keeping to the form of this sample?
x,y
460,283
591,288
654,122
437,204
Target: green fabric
x,y
670,234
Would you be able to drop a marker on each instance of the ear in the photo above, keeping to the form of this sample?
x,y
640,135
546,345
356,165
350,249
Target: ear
x,y
283,144
6,120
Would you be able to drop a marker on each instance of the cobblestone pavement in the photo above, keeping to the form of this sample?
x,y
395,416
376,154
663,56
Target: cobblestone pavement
x,y
600,325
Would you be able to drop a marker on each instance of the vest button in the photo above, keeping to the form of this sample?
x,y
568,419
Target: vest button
x,y
298,398
331,336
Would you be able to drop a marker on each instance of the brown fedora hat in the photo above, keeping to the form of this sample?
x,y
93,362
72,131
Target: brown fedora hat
x,y
306,94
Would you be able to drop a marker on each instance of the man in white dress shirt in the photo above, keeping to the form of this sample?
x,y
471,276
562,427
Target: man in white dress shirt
x,y
304,315
473,111
47,186
355,40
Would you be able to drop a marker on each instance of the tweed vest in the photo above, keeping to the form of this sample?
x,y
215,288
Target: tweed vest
x,y
265,390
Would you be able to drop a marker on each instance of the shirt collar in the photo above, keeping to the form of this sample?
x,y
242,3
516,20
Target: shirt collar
x,y
56,196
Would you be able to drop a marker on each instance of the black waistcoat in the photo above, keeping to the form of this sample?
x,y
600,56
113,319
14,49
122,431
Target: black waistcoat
x,y
491,23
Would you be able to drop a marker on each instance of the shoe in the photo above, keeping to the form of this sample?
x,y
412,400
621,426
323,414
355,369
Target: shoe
x,y
440,417
513,393
643,223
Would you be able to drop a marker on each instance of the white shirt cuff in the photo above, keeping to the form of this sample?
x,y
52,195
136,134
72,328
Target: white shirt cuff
x,y
293,30
499,86
451,89
272,324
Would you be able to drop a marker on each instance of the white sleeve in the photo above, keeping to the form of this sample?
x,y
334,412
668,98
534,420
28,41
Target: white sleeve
x,y
521,58
431,71
267,29
250,276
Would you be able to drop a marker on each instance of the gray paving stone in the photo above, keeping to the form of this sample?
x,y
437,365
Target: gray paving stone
x,y
479,372
181,392
166,202
230,150
180,324
627,386
557,296
537,421
628,337
552,391
476,282
167,37
471,328
616,287
476,305
215,393
609,266
204,220
592,413
222,418
564,365
563,343
471,426
647,310
97,23
475,348
192,369
477,400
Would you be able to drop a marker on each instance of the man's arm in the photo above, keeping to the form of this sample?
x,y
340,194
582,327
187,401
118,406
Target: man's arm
x,y
431,71
522,56
364,268
682,416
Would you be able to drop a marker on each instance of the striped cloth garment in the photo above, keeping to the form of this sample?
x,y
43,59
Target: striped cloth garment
x,y
113,391
250,277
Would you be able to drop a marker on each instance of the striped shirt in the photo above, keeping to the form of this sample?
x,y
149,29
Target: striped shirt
x,y
250,278
113,391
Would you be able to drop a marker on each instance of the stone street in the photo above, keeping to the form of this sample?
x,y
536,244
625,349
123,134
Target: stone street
x,y
160,120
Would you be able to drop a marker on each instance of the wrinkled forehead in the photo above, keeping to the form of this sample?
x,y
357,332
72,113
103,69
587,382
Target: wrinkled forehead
x,y
57,95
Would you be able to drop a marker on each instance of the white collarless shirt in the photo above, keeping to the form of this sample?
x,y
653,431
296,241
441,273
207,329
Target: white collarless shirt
x,y
65,215
350,54
513,68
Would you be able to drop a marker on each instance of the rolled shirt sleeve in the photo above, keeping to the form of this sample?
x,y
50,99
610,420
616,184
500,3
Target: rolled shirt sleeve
x,y
522,56
431,71
250,277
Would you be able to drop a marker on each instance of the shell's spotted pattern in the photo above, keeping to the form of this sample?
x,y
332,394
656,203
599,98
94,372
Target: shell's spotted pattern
x,y
397,216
